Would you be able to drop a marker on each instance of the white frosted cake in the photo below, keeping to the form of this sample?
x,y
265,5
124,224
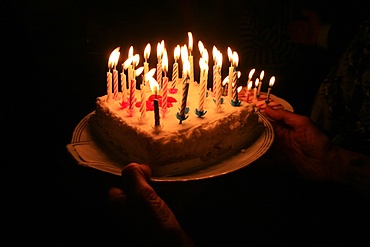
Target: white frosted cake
x,y
169,144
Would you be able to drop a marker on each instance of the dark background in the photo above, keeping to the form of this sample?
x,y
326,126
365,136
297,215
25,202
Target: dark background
x,y
54,63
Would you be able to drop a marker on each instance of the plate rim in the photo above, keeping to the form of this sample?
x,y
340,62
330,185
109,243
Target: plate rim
x,y
264,142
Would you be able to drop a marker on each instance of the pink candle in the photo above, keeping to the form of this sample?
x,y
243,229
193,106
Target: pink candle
x,y
115,84
143,101
160,48
132,95
165,82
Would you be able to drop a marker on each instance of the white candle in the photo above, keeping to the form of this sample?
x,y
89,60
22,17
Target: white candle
x,y
235,62
214,54
125,66
160,47
260,83
231,72
129,69
190,57
175,69
112,63
146,64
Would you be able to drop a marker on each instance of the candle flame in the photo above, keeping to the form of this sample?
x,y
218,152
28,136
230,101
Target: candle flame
x,y
205,56
272,81
131,51
160,47
235,59
165,61
184,54
138,71
201,47
177,52
249,86
135,59
147,51
203,64
214,53
153,84
127,63
190,35
150,74
230,54
239,88
226,80
251,73
262,75
257,82
219,60
186,68
239,74
113,58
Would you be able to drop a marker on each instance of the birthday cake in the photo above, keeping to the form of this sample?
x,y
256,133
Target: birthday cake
x,y
173,148
174,126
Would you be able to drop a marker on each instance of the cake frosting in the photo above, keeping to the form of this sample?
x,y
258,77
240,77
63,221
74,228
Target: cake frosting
x,y
174,146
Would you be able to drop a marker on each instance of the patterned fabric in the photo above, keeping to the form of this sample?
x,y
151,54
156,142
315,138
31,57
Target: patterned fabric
x,y
264,40
342,105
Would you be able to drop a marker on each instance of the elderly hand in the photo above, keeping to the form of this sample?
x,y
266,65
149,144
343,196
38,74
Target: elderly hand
x,y
151,214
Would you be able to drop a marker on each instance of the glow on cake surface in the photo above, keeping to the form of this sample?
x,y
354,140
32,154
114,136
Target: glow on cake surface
x,y
174,148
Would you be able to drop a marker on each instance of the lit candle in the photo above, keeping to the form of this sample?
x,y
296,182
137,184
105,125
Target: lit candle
x,y
112,62
271,83
214,54
190,35
125,66
231,72
133,84
143,101
250,75
146,57
185,89
129,69
115,73
236,89
218,82
160,47
255,90
154,87
249,87
203,84
165,83
260,83
175,69
235,77
225,85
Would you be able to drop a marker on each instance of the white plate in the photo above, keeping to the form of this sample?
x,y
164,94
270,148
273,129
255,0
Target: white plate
x,y
86,151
